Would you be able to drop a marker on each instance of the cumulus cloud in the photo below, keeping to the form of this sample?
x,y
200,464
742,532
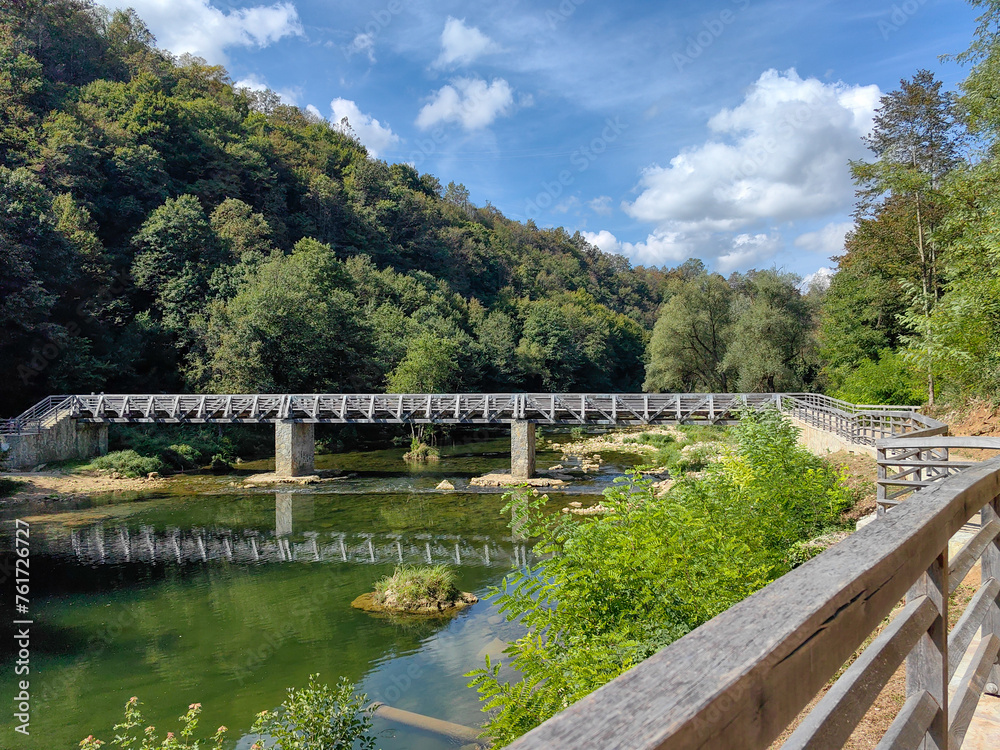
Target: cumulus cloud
x,y
748,250
827,241
664,247
780,155
363,44
660,248
469,102
375,136
200,28
461,44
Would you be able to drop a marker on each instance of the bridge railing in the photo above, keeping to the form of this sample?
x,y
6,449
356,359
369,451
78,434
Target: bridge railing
x,y
39,417
858,423
740,679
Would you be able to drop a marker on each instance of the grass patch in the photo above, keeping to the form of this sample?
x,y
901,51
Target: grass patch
x,y
10,487
409,587
128,463
693,452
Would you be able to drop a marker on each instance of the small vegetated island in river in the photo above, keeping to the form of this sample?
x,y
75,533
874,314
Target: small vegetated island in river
x,y
428,590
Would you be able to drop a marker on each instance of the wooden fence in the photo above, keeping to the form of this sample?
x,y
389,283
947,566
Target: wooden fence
x,y
740,679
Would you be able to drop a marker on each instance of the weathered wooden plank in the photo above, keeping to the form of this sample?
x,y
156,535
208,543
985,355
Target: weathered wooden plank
x,y
970,688
927,662
761,661
979,442
831,722
908,729
965,629
971,552
991,569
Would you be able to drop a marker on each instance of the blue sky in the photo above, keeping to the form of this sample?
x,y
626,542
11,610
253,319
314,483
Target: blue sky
x,y
662,130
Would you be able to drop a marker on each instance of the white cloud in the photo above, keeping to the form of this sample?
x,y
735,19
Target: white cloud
x,y
827,241
748,250
375,136
461,44
469,102
200,28
780,155
601,205
255,83
820,278
660,248
363,43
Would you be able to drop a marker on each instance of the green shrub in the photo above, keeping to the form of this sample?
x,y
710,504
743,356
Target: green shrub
x,y
316,717
611,590
127,463
411,587
890,380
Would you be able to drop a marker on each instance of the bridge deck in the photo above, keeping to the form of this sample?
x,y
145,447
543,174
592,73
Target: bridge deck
x,y
458,408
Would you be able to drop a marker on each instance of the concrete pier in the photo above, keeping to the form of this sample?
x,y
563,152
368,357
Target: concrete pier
x,y
294,449
522,449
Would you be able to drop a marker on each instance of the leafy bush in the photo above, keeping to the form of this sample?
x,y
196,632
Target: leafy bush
x,y
127,463
410,587
612,590
420,451
318,717
890,380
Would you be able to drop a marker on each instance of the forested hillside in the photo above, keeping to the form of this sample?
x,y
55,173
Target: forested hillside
x,y
162,230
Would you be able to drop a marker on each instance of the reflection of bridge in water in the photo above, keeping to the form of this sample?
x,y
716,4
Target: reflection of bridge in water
x,y
101,545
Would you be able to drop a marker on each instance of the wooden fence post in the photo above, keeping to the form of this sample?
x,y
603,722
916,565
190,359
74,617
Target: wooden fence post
x,y
927,663
880,455
991,569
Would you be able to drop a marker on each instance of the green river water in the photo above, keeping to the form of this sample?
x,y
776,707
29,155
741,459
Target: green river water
x,y
206,592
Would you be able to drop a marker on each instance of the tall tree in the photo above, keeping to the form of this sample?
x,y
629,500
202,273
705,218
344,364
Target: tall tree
x,y
690,337
915,142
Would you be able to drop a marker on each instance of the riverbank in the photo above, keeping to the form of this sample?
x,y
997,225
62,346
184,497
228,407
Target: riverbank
x,y
55,484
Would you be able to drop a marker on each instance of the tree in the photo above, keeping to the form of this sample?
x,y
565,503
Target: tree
x,y
293,327
690,337
770,341
430,366
915,143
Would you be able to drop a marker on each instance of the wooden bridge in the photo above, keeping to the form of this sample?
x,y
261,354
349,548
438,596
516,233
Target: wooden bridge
x,y
62,427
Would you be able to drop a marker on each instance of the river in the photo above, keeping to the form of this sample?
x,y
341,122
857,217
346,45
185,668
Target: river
x,y
210,592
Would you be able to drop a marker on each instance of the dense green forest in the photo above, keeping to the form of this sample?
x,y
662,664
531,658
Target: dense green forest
x,y
162,230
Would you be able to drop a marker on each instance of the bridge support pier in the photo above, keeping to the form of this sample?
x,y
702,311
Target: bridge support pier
x,y
522,449
294,449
